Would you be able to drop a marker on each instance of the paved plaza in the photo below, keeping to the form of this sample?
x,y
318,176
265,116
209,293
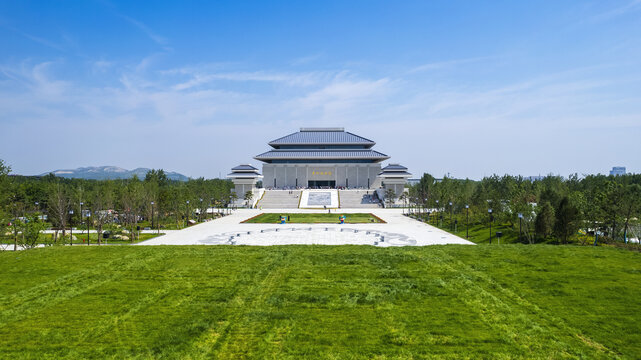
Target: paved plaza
x,y
398,230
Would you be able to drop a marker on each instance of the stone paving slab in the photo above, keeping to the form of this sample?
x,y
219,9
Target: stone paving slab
x,y
403,230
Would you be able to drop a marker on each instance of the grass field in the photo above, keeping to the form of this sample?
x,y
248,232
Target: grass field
x,y
480,233
317,218
354,302
81,238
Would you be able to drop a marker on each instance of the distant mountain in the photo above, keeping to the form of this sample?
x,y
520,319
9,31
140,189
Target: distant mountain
x,y
110,172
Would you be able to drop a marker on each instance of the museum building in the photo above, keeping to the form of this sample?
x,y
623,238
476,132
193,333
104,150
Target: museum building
x,y
321,158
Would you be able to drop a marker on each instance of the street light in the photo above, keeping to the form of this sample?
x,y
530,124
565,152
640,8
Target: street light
x,y
187,215
451,211
70,228
490,212
152,215
81,203
467,221
200,213
425,202
437,212
520,218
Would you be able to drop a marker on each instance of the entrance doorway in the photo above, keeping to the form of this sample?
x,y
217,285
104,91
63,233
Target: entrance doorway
x,y
321,183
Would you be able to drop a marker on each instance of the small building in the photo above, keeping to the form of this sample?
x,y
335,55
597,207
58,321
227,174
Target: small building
x,y
394,176
244,178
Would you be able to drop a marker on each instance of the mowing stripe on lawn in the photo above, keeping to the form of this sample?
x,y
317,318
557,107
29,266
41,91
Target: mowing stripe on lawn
x,y
517,320
247,292
35,299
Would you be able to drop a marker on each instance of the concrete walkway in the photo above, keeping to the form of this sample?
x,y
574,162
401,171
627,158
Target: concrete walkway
x,y
398,231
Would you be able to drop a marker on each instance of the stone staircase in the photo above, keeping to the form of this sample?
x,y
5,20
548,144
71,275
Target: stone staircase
x,y
279,199
356,199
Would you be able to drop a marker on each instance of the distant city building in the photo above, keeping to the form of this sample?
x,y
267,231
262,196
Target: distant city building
x,y
618,170
535,178
413,181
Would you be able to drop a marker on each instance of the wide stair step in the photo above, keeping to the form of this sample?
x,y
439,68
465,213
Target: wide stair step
x,y
280,199
356,199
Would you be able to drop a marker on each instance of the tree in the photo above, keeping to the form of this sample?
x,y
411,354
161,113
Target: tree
x,y
544,222
59,207
631,206
610,200
131,200
425,188
101,204
5,185
403,198
31,228
566,220
390,196
233,197
248,197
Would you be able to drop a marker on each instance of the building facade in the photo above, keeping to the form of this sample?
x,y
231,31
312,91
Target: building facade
x,y
321,158
245,177
618,170
394,176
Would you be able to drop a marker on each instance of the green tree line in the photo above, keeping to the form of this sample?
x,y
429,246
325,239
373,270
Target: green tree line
x,y
155,201
550,209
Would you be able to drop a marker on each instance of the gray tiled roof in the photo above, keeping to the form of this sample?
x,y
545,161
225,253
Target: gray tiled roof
x,y
394,174
321,137
394,167
243,167
321,154
244,175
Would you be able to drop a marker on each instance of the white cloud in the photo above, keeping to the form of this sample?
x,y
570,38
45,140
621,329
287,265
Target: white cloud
x,y
216,116
449,64
631,6
38,39
147,31
197,78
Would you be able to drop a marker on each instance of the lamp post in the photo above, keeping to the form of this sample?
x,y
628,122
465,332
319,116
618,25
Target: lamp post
x,y
211,205
70,228
437,212
200,213
467,221
520,218
451,211
81,203
187,215
490,212
415,206
152,215
425,202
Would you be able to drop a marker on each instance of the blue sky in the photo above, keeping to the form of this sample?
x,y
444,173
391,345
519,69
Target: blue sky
x,y
462,87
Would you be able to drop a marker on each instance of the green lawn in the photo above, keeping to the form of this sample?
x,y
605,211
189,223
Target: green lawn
x,y
343,302
480,233
317,218
81,238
